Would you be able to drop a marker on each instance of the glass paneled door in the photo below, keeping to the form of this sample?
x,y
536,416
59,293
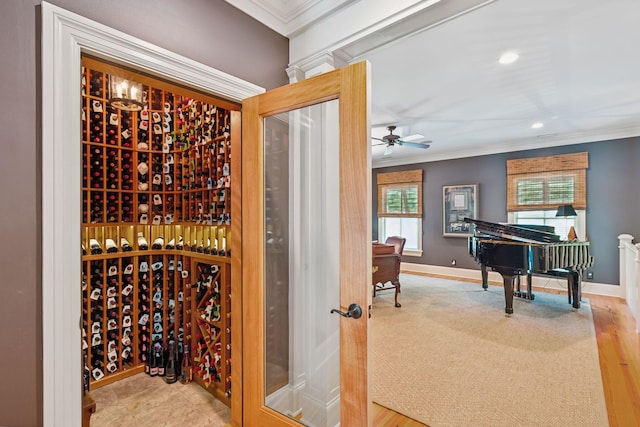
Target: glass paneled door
x,y
306,253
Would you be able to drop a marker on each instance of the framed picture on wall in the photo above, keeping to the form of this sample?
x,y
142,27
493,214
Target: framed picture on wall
x,y
458,202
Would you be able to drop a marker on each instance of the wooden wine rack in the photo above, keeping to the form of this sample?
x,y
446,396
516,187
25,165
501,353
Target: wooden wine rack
x,y
163,175
211,326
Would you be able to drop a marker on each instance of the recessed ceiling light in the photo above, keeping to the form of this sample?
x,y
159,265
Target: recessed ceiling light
x,y
508,58
537,125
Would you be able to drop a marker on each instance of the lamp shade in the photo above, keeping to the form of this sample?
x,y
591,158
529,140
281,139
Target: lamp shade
x,y
566,210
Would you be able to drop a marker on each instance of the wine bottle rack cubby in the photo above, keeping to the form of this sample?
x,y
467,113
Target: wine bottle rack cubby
x,y
156,212
212,344
170,162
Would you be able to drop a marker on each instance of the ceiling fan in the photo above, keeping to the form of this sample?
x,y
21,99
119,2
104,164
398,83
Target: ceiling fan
x,y
391,140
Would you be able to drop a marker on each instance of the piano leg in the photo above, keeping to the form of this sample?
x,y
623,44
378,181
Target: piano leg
x,y
485,276
573,288
530,287
508,280
526,295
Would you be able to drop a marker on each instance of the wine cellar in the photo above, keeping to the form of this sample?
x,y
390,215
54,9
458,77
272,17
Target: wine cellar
x,y
156,232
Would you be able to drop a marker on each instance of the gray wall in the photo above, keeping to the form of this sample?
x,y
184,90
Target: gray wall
x,y
208,31
613,200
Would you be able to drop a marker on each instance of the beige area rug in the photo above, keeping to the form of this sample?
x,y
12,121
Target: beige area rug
x,y
141,401
450,357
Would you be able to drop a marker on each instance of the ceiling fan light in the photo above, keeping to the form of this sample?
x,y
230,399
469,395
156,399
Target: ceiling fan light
x,y
388,150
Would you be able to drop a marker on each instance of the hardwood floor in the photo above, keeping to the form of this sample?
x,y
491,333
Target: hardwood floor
x,y
619,350
385,417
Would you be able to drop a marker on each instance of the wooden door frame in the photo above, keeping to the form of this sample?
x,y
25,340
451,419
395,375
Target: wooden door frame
x,y
351,86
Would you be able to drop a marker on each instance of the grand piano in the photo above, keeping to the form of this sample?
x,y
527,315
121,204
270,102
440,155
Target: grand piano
x,y
516,250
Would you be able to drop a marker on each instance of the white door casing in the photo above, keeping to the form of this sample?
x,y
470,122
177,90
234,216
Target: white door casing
x,y
65,36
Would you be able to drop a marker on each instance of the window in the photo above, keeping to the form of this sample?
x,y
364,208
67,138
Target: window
x,y
400,208
537,186
400,199
548,217
409,228
545,189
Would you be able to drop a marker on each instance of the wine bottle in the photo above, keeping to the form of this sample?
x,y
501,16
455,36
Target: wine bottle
x,y
171,244
160,360
96,354
147,359
221,252
124,244
142,242
95,247
111,246
158,243
179,354
87,374
186,373
170,372
153,368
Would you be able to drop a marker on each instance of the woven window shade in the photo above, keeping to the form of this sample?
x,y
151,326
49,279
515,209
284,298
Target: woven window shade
x,y
543,183
400,194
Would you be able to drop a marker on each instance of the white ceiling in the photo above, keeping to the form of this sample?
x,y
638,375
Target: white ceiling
x,y
578,73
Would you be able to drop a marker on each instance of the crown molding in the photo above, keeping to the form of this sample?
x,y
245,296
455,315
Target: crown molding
x,y
291,17
423,17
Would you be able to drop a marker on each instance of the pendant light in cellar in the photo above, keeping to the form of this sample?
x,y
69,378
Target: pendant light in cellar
x,y
125,94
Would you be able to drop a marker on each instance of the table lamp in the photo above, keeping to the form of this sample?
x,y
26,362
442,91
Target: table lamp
x,y
567,211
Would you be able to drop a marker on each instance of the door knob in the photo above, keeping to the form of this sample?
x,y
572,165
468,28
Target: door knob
x,y
354,311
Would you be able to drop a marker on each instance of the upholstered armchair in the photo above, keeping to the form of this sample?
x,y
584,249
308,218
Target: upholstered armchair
x,y
398,243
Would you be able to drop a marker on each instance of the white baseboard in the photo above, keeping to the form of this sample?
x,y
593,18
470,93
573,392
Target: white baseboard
x,y
542,282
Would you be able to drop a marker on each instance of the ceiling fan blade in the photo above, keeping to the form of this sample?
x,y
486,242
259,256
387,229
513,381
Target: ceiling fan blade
x,y
414,137
388,150
421,145
380,143
377,139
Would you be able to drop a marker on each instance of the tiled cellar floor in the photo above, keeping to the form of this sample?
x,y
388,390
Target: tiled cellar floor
x,y
141,401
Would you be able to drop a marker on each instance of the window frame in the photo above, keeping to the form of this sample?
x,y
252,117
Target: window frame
x,y
572,167
547,170
394,180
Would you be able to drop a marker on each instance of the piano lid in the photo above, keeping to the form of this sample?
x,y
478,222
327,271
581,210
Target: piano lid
x,y
512,232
